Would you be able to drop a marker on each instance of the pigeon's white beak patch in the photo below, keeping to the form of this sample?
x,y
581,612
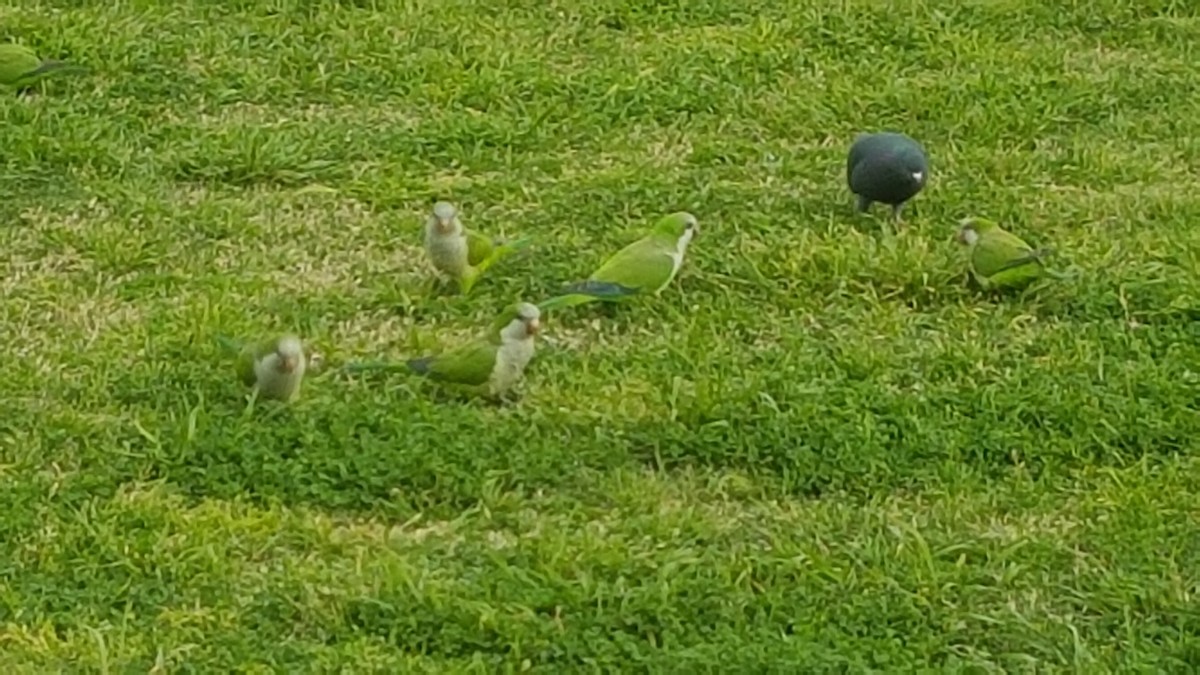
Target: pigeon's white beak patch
x,y
919,176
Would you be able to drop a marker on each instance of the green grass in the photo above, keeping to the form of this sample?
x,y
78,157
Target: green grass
x,y
818,451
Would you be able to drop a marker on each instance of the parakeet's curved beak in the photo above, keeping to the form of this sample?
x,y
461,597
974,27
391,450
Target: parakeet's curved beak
x,y
287,364
445,224
533,326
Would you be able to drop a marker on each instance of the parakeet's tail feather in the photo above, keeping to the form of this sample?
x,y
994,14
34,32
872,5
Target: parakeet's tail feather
x,y
563,301
420,366
601,290
517,244
375,366
54,66
584,292
501,252
469,278
1046,252
229,344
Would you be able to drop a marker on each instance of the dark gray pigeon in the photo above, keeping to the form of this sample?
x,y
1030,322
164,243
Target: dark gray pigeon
x,y
886,167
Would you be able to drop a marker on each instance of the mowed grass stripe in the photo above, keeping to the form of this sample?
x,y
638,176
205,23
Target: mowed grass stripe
x,y
651,568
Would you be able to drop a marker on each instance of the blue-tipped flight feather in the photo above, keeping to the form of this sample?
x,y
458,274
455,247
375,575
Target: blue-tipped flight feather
x,y
585,292
600,289
421,365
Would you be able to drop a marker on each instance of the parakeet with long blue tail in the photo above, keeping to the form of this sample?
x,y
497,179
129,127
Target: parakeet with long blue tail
x,y
646,266
488,366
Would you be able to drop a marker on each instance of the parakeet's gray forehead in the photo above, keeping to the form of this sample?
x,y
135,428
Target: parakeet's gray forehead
x,y
528,311
975,223
288,343
444,210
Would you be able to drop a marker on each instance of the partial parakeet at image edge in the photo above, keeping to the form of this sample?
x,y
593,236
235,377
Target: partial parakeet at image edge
x,y
647,265
20,67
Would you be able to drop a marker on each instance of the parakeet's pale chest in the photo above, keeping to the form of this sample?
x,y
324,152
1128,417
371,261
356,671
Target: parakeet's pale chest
x,y
449,253
681,248
511,359
273,384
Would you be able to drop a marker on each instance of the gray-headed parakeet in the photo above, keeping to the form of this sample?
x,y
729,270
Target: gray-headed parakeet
x,y
886,167
1001,259
488,366
274,367
459,253
20,67
646,266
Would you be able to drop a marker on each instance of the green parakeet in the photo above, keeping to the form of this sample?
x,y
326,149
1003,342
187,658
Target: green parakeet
x,y
487,366
886,167
1001,259
274,367
21,67
459,253
646,266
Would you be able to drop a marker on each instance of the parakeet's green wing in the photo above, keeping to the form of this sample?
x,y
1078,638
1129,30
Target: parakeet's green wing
x,y
470,364
997,251
245,365
479,248
16,62
1019,275
644,265
252,352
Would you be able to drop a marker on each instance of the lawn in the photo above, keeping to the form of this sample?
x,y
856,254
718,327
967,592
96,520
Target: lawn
x,y
818,450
